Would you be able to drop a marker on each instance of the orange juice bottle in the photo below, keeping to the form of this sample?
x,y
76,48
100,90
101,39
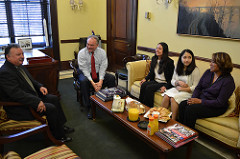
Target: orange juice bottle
x,y
156,122
150,127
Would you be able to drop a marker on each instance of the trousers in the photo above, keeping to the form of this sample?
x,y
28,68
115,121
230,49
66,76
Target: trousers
x,y
147,91
85,85
188,114
55,115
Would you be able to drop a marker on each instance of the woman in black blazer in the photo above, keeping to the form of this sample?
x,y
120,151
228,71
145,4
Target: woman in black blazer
x,y
159,76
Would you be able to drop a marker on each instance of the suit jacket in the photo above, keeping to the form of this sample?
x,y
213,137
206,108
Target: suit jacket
x,y
14,88
168,72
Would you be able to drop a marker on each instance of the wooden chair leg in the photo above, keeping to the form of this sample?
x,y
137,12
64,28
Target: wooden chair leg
x,y
49,135
1,148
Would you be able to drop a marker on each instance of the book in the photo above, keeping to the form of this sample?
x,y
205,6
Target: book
x,y
108,93
118,105
176,135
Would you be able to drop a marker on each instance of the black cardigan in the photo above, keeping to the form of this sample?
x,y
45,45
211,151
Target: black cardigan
x,y
168,72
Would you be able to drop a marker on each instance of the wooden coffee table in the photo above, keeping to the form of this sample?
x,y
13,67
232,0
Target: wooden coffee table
x,y
154,141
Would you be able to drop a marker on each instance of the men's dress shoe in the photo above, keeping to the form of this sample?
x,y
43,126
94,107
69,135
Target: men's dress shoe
x,y
66,139
89,113
68,130
89,116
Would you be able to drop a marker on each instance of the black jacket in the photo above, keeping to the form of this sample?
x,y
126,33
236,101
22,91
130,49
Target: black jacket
x,y
14,88
168,72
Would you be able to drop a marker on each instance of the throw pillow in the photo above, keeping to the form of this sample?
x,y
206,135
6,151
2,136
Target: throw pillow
x,y
148,65
237,102
3,114
231,107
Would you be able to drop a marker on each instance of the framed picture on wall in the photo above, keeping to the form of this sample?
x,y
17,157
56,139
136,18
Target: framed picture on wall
x,y
25,43
211,18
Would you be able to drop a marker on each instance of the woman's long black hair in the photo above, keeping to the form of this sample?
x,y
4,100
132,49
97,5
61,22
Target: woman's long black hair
x,y
180,66
163,61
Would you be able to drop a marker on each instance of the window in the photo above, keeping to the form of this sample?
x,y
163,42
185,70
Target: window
x,y
24,19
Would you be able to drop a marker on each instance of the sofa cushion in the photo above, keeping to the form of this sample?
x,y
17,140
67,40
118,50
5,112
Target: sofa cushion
x,y
56,152
3,115
237,102
148,65
13,125
11,155
231,107
223,128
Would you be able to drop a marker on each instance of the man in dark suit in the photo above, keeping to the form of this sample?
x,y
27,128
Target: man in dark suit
x,y
17,85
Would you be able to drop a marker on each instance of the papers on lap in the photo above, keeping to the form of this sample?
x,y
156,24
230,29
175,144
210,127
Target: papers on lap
x,y
176,135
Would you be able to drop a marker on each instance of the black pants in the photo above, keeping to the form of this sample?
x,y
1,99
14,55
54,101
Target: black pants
x,y
147,92
85,84
188,114
55,115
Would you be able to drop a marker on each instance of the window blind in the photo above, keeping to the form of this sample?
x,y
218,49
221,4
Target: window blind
x,y
23,18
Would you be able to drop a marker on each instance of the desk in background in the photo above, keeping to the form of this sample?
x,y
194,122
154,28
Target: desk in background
x,y
45,72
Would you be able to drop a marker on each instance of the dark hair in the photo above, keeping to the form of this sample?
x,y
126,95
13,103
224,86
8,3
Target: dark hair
x,y
163,61
224,62
180,65
8,48
94,37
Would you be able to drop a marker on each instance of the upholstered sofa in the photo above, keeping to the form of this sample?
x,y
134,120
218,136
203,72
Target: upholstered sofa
x,y
224,128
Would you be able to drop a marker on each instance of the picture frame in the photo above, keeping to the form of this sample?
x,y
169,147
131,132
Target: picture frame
x,y
25,43
209,18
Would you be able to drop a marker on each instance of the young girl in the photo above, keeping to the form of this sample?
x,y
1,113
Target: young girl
x,y
185,79
159,76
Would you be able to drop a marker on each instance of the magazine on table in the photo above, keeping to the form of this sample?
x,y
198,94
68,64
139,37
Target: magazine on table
x,y
177,135
108,93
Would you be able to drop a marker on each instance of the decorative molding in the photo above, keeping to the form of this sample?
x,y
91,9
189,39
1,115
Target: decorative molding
x,y
77,41
152,50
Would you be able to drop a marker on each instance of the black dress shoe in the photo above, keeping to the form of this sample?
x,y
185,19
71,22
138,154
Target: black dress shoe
x,y
66,139
68,130
89,116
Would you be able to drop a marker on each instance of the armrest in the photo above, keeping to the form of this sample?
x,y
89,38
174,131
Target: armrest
x,y
29,132
136,72
34,113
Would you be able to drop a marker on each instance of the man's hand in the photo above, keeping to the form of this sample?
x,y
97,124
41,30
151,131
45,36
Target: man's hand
x,y
41,107
97,86
43,90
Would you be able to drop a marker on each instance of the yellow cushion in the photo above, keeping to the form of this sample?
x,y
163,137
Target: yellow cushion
x,y
18,125
3,114
56,152
231,107
11,155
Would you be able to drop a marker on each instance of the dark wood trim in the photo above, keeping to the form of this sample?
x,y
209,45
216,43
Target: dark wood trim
x,y
65,65
152,50
55,32
76,41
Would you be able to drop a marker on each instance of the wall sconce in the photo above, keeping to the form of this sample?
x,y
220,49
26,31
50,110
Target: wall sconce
x,y
76,5
163,1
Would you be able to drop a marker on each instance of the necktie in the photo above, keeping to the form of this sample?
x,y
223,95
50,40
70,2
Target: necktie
x,y
93,69
26,77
